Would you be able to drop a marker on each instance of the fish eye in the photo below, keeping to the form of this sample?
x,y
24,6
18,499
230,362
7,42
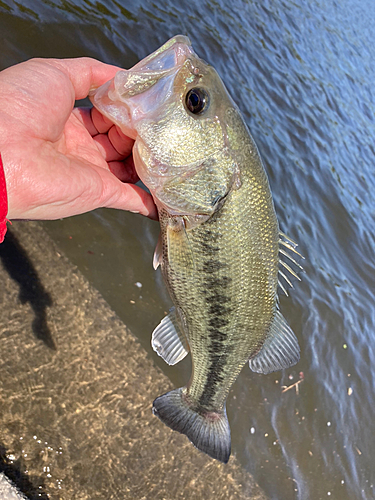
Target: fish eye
x,y
197,100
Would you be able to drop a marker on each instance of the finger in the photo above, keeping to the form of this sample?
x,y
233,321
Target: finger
x,y
84,116
133,198
85,73
121,142
124,170
106,148
100,122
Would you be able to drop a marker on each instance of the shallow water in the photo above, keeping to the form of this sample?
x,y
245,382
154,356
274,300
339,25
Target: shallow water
x,y
302,74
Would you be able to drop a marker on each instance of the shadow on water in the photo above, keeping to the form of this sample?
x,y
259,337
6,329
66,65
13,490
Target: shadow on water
x,y
21,269
14,471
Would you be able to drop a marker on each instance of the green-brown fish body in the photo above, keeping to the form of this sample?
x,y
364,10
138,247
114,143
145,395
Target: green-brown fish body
x,y
219,245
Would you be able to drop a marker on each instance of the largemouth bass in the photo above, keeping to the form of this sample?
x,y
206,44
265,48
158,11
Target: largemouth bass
x,y
220,239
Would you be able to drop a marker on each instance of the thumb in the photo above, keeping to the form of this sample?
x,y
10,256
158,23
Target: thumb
x,y
84,73
130,197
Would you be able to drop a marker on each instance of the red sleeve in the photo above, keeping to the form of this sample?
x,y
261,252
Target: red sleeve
x,y
3,203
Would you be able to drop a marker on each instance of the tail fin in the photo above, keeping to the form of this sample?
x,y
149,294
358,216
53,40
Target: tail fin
x,y
210,433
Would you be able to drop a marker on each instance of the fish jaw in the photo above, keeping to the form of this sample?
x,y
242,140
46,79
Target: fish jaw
x,y
135,95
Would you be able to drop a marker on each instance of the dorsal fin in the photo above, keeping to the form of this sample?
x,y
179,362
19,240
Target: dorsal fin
x,y
280,349
287,247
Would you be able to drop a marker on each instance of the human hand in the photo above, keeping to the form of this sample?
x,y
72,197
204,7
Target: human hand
x,y
59,161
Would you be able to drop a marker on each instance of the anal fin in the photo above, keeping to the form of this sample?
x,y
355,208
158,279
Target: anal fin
x,y
280,349
168,340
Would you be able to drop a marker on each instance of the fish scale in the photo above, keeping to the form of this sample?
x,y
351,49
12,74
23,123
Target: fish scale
x,y
219,244
239,289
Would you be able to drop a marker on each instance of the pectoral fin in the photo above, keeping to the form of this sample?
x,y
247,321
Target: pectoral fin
x,y
158,254
280,349
180,255
168,340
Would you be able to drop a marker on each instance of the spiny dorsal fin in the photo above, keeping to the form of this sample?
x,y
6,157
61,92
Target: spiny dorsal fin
x,y
287,247
168,340
280,349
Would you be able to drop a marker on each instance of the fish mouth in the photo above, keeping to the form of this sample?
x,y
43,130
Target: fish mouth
x,y
134,94
169,55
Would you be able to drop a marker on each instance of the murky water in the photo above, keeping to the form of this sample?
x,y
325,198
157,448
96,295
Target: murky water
x,y
302,74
